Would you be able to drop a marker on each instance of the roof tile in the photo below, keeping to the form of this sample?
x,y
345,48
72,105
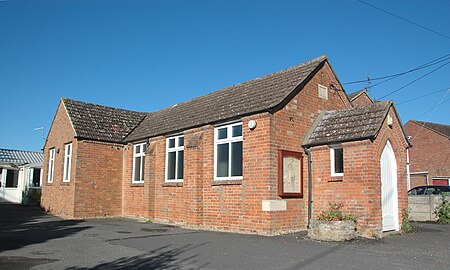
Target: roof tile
x,y
348,124
261,94
97,122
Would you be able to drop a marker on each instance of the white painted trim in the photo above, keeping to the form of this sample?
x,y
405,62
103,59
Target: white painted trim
x,y
322,87
175,149
228,141
333,171
67,162
391,154
51,165
135,155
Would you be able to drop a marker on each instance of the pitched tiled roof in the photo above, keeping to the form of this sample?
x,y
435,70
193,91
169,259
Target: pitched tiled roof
x,y
356,94
356,123
439,128
21,157
97,122
258,95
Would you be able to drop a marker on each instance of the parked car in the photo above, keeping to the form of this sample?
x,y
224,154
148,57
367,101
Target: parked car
x,y
427,190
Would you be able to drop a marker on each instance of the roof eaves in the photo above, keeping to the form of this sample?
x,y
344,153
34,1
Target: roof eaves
x,y
424,124
63,101
350,139
283,102
311,130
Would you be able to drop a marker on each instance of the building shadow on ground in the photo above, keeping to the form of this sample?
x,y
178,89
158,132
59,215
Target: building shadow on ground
x,y
166,257
22,226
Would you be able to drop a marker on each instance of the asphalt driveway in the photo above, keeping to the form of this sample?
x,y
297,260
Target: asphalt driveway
x,y
31,239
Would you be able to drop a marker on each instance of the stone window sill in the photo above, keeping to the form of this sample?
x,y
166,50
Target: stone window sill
x,y
226,182
336,179
172,184
136,184
65,184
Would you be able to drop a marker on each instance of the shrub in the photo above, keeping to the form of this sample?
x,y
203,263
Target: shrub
x,y
442,212
334,213
406,225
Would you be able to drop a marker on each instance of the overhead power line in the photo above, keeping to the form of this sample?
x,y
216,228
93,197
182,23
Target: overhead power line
x,y
429,94
434,109
421,77
404,19
428,64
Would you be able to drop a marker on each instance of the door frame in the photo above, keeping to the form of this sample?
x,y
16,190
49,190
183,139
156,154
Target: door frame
x,y
394,171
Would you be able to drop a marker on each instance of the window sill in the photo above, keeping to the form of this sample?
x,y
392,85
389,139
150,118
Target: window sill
x,y
65,184
226,182
291,196
172,184
337,178
49,184
137,184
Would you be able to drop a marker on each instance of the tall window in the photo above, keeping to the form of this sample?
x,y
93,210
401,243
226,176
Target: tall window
x,y
51,165
138,163
67,162
175,159
228,152
337,161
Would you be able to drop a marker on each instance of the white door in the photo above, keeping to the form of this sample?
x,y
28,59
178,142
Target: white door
x,y
10,190
389,196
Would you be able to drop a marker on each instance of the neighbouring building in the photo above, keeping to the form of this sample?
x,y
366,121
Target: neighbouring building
x,y
360,98
261,156
20,175
430,156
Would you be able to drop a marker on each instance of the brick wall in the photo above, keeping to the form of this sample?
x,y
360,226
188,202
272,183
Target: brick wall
x,y
430,152
361,100
231,205
58,197
288,129
132,194
360,187
98,189
104,171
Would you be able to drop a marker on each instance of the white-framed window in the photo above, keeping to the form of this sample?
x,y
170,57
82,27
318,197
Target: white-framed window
x,y
323,91
138,162
175,159
337,160
51,165
67,162
228,152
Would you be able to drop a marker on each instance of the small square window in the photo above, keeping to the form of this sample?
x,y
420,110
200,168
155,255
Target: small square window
x,y
237,131
222,133
323,91
171,143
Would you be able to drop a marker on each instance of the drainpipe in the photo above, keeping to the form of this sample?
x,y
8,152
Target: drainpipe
x,y
408,174
310,201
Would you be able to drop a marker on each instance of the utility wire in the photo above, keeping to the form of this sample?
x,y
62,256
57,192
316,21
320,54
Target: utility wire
x,y
421,77
404,19
429,94
429,64
434,109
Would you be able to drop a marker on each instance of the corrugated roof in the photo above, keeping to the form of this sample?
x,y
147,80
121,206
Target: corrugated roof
x,y
348,124
21,157
97,122
258,95
439,128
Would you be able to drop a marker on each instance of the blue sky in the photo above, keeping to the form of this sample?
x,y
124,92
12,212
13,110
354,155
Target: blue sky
x,y
147,55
